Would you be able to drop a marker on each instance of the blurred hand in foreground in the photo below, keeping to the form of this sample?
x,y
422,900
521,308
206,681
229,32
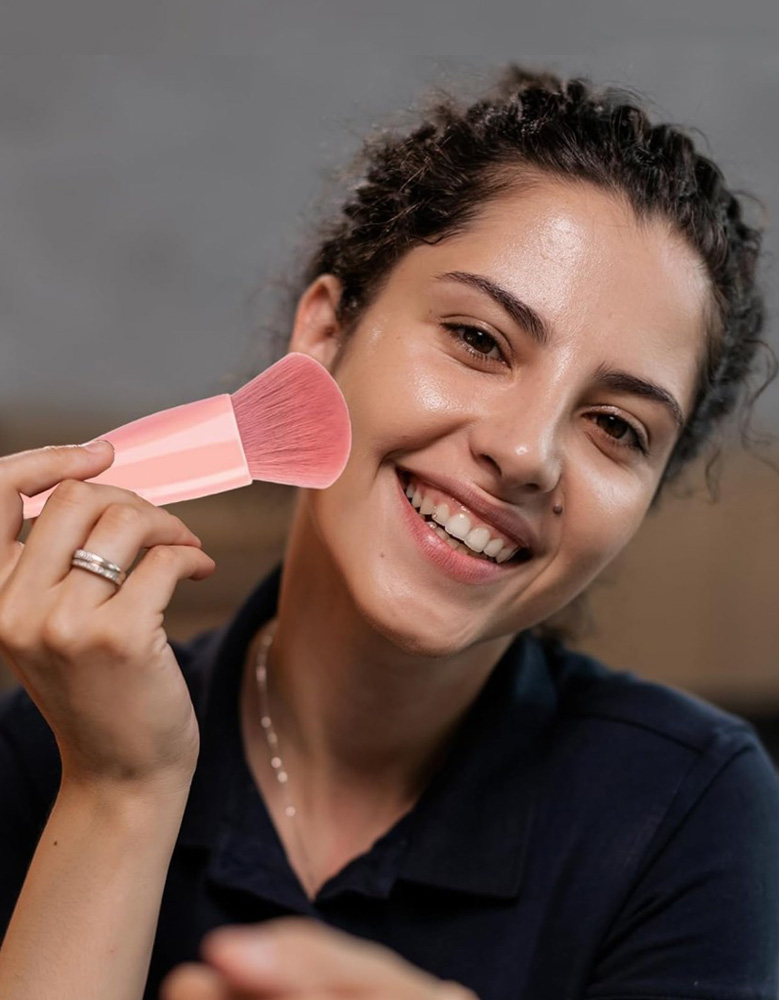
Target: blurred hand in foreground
x,y
301,958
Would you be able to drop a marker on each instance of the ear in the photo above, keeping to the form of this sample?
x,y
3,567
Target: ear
x,y
316,330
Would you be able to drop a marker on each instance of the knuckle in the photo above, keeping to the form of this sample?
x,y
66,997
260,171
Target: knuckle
x,y
70,492
180,525
61,633
174,526
163,557
122,517
110,642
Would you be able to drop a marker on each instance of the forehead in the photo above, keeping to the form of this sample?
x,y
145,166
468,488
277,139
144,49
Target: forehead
x,y
579,256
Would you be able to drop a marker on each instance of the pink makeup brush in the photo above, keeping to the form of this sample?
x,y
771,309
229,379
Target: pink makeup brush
x,y
289,425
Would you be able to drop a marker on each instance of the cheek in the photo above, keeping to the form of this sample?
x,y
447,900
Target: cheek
x,y
397,396
603,519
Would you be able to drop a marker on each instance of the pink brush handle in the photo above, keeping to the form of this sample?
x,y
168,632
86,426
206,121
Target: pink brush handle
x,y
182,453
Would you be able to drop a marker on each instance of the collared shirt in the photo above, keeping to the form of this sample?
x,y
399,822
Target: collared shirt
x,y
589,835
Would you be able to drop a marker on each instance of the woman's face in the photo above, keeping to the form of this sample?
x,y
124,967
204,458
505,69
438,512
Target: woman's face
x,y
503,414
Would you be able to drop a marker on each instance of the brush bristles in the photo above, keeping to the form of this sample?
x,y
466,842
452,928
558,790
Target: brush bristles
x,y
294,424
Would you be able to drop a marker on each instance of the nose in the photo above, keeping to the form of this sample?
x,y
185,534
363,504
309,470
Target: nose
x,y
521,445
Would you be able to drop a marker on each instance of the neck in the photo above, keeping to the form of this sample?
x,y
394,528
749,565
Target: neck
x,y
356,713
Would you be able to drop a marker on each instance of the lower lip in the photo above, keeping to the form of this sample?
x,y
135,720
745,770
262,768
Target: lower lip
x,y
457,565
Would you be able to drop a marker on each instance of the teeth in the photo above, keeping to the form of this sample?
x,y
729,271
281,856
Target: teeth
x,y
457,529
459,526
452,542
427,507
477,539
493,547
441,514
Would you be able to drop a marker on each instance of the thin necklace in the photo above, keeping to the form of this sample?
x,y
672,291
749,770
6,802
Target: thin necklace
x,y
274,749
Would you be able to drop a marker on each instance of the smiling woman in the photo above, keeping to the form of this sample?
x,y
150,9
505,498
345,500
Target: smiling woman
x,y
566,392
538,309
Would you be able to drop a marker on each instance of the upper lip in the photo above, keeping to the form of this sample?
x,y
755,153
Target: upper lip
x,y
507,520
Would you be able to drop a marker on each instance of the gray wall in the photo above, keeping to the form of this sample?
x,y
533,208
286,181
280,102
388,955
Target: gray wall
x,y
145,199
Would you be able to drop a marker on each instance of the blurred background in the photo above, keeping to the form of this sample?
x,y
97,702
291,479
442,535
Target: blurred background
x,y
154,202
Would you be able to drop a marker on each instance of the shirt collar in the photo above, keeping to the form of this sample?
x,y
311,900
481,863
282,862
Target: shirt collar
x,y
470,828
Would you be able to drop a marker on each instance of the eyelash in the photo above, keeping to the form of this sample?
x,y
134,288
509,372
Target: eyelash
x,y
454,329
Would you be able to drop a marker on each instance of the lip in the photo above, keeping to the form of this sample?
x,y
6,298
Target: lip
x,y
506,520
456,565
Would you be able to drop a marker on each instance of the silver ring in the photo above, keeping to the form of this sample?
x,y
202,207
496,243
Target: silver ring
x,y
91,561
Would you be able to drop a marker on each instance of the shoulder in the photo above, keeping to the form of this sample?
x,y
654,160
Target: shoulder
x,y
590,692
669,806
636,751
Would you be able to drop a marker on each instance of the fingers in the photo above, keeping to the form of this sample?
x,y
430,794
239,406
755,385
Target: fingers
x,y
192,981
150,586
303,960
31,472
109,521
295,955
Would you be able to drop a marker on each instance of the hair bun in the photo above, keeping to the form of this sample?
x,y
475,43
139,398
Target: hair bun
x,y
513,79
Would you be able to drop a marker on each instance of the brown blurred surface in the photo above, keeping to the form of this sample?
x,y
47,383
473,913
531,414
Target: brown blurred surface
x,y
693,601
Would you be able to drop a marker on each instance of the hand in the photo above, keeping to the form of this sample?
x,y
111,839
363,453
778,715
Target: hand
x,y
95,658
304,959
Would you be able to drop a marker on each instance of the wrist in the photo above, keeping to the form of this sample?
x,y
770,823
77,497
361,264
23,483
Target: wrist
x,y
127,798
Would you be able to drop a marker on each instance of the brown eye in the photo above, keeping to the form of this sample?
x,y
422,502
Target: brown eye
x,y
474,341
620,431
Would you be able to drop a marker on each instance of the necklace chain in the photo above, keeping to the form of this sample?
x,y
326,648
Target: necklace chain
x,y
274,749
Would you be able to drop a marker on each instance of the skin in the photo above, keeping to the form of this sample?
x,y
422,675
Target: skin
x,y
377,653
294,957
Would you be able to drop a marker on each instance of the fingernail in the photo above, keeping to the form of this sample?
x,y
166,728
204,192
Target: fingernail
x,y
95,446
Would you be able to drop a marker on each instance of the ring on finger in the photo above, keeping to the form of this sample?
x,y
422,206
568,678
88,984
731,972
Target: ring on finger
x,y
94,563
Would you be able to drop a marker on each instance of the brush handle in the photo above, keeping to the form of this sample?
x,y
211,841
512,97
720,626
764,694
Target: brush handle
x,y
182,453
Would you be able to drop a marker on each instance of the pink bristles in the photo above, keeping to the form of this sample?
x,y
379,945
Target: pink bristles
x,y
288,425
294,424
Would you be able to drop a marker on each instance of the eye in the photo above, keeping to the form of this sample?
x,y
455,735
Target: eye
x,y
621,432
475,341
478,343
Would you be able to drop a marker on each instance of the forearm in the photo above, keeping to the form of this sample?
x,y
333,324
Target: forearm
x,y
85,921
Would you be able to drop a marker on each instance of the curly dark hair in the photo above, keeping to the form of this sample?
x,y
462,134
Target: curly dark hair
x,y
426,185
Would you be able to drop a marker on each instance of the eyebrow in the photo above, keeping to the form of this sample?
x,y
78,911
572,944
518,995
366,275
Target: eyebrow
x,y
520,311
526,317
625,382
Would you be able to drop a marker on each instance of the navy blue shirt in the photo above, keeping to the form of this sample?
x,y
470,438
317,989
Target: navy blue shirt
x,y
589,835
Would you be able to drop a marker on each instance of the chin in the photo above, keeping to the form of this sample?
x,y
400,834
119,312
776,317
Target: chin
x,y
394,610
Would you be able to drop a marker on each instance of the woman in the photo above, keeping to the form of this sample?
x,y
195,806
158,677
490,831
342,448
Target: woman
x,y
538,308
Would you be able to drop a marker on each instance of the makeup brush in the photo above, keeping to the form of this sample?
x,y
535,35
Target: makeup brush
x,y
290,424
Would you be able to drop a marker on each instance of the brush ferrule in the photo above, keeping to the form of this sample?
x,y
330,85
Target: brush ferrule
x,y
182,453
